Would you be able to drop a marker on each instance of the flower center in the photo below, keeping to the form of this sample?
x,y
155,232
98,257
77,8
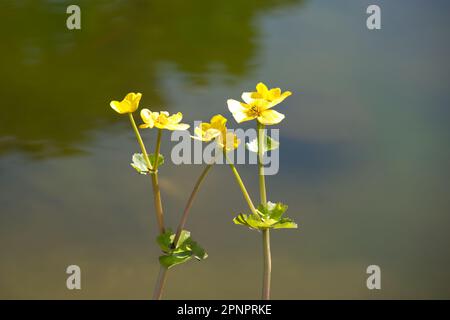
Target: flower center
x,y
254,111
162,119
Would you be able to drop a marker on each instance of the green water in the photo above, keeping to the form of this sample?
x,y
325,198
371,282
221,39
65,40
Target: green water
x,y
364,146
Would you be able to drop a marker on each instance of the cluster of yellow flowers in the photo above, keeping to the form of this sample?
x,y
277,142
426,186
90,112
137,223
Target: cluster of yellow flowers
x,y
160,120
257,105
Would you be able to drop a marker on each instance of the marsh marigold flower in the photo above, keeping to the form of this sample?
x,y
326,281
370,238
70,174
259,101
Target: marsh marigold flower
x,y
162,120
128,105
257,105
273,96
256,109
216,129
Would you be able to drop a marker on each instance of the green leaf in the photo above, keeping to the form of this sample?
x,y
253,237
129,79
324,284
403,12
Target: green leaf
x,y
269,216
197,251
241,219
169,261
185,249
183,237
269,144
273,210
253,221
139,163
152,158
165,240
285,223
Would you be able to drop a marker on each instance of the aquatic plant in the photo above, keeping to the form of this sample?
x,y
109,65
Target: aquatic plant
x,y
179,247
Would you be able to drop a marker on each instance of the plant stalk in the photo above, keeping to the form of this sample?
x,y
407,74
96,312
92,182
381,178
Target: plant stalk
x,y
266,232
141,143
160,282
267,265
242,186
157,293
262,181
191,201
156,190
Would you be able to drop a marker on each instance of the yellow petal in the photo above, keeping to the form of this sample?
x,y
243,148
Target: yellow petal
x,y
129,104
201,131
286,94
262,104
199,134
198,138
134,97
239,110
117,107
147,117
178,126
255,95
261,88
212,133
130,96
218,121
269,117
274,93
132,101
176,118
208,131
280,99
228,141
247,97
205,126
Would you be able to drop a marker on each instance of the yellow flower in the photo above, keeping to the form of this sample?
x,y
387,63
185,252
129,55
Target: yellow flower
x,y
162,120
257,105
217,129
208,131
229,141
257,109
128,105
273,96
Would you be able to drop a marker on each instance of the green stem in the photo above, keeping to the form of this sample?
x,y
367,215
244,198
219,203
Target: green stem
x,y
156,190
190,201
242,186
267,265
262,181
156,196
141,143
266,232
158,202
158,147
157,293
160,282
